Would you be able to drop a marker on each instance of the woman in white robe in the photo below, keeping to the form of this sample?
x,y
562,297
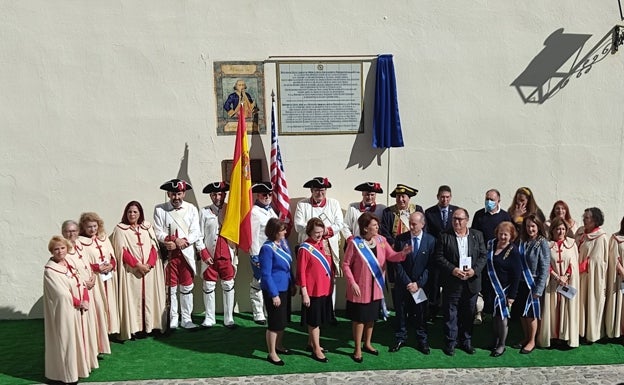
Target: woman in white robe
x,y
141,278
593,256
64,299
560,314
95,246
614,319
70,231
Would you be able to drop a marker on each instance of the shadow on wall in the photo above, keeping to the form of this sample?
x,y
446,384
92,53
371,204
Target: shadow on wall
x,y
362,152
256,151
7,312
183,174
36,311
558,63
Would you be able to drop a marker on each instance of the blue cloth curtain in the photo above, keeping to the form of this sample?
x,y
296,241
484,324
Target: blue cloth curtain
x,y
386,122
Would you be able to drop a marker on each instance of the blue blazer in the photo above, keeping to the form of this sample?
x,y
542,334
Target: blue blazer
x,y
415,268
276,272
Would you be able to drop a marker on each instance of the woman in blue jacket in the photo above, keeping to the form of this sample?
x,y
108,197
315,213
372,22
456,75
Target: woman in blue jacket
x,y
277,280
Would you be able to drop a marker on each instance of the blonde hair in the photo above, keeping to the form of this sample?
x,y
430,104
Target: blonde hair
x,y
55,240
91,217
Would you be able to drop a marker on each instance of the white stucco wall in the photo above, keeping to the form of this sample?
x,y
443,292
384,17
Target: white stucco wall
x,y
99,99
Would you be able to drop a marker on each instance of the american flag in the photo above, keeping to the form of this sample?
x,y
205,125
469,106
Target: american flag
x,y
281,200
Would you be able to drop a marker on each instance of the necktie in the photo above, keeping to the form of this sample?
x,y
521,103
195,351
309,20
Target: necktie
x,y
415,245
444,217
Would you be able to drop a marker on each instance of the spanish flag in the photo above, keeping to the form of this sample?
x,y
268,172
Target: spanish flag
x,y
237,221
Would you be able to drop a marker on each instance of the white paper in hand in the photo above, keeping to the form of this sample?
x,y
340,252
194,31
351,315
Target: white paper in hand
x,y
567,291
419,296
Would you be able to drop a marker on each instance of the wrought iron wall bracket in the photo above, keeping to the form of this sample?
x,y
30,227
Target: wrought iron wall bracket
x,y
618,38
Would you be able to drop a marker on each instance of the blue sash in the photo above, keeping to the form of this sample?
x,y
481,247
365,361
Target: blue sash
x,y
318,256
499,301
373,265
283,254
528,277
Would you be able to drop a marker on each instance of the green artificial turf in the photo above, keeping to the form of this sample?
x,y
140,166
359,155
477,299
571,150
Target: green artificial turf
x,y
221,352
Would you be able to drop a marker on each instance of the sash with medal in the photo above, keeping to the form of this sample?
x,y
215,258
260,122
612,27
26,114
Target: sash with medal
x,y
280,252
499,301
318,256
373,265
528,277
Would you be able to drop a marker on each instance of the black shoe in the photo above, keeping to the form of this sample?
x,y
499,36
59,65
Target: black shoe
x,y
277,363
284,351
496,353
468,349
316,358
517,345
260,322
231,327
359,360
396,347
449,350
333,321
525,351
140,335
424,348
370,351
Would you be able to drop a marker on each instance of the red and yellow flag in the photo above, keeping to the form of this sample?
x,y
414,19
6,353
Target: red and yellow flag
x,y
237,221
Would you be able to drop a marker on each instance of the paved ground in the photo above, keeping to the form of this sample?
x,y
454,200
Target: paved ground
x,y
598,374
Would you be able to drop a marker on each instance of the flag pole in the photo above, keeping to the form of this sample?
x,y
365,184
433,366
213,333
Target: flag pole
x,y
388,181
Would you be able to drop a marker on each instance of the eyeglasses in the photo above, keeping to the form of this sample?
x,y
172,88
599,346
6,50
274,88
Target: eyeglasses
x,y
459,219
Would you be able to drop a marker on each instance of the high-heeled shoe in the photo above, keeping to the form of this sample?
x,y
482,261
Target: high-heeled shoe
x,y
496,353
277,363
526,351
319,359
370,351
359,360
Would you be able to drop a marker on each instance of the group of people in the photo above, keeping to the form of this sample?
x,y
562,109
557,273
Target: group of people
x,y
99,288
567,281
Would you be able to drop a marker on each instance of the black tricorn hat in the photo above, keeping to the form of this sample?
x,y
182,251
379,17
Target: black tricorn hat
x,y
214,187
369,187
262,187
318,182
176,185
403,189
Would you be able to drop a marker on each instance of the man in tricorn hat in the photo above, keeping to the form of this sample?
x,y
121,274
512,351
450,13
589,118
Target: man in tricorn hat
x,y
261,212
367,204
222,265
328,210
395,219
176,224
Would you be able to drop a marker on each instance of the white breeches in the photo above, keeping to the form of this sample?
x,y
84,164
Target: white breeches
x,y
257,302
228,302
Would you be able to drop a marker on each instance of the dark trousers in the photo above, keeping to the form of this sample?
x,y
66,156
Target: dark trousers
x,y
408,313
432,288
459,311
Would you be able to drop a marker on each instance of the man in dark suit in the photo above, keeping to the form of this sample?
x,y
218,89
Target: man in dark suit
x,y
411,277
395,221
461,256
438,218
